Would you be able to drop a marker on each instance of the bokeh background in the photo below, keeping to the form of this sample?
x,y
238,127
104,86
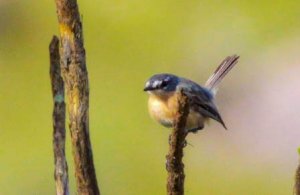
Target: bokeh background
x,y
127,42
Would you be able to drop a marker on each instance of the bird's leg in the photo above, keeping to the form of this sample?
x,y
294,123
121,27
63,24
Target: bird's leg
x,y
195,130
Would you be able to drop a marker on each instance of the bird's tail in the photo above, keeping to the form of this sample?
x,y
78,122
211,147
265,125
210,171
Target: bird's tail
x,y
214,80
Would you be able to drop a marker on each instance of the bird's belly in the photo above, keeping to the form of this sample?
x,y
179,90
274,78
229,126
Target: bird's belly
x,y
194,120
165,111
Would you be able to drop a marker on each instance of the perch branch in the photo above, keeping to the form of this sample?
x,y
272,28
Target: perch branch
x,y
75,75
175,166
59,113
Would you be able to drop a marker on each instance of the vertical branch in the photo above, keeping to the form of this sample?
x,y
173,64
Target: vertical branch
x,y
59,113
175,166
297,183
75,76
297,179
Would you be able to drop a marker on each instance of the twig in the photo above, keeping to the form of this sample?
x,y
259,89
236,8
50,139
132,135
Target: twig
x,y
75,76
59,113
297,183
175,166
297,180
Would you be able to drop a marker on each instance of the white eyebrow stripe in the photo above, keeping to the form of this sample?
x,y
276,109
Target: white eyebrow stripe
x,y
156,83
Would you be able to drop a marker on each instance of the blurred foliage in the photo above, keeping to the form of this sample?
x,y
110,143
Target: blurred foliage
x,y
126,42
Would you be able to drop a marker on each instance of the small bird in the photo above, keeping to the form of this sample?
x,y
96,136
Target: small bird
x,y
163,101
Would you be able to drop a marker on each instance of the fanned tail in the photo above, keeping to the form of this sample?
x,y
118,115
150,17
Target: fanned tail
x,y
227,64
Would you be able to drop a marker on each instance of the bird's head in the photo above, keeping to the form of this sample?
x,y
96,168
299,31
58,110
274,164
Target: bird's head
x,y
161,83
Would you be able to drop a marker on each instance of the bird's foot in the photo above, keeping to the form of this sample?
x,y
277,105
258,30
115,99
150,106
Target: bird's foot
x,y
195,130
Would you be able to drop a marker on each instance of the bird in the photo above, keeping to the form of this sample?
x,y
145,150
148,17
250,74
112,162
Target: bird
x,y
163,90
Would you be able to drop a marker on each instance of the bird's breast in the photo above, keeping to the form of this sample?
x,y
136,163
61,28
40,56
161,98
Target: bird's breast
x,y
164,108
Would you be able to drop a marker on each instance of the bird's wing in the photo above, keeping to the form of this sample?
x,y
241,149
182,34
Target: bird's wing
x,y
201,100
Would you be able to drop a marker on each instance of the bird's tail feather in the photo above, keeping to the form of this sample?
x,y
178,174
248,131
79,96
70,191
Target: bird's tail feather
x,y
227,64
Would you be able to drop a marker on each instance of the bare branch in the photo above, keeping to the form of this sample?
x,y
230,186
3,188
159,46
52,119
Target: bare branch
x,y
175,166
297,180
59,114
74,72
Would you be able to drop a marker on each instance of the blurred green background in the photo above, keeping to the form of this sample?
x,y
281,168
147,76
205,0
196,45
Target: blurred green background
x,y
127,42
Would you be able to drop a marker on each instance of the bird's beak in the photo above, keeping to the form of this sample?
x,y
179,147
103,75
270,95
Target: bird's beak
x,y
148,88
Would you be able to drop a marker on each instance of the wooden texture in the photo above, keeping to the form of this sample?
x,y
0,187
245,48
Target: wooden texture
x,y
297,181
75,75
175,166
59,115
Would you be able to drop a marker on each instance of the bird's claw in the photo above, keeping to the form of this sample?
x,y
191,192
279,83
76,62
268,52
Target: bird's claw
x,y
195,130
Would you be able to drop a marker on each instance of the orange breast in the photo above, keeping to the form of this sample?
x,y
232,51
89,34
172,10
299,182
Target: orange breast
x,y
163,108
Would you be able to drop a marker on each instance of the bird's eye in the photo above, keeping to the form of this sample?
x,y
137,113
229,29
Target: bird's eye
x,y
163,84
